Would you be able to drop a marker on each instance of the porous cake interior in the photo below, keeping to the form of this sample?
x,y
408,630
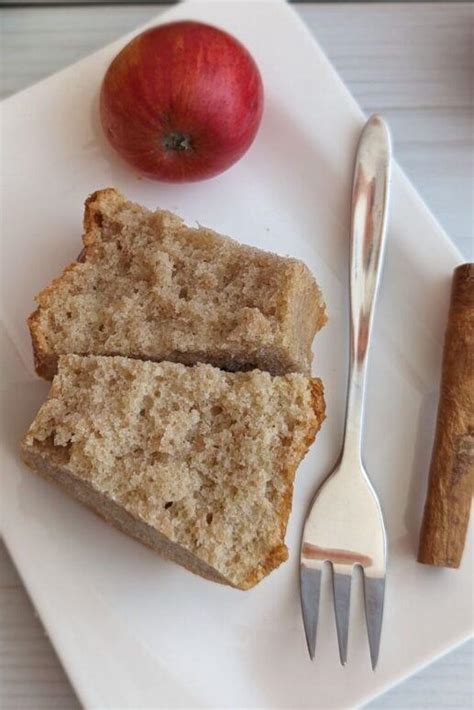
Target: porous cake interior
x,y
205,457
150,287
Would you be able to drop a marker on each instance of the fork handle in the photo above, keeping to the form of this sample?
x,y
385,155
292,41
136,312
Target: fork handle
x,y
368,229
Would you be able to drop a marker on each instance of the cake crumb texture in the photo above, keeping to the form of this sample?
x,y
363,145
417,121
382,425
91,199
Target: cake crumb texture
x,y
200,461
147,286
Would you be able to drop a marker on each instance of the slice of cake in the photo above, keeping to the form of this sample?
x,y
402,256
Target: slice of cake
x,y
147,286
195,462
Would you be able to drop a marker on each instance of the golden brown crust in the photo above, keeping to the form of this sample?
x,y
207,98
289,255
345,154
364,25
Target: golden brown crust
x,y
42,359
450,489
273,560
45,360
93,211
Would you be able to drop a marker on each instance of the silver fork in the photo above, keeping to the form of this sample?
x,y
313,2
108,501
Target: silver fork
x,y
344,525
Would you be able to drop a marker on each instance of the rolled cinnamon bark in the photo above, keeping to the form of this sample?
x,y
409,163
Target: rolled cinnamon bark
x,y
450,487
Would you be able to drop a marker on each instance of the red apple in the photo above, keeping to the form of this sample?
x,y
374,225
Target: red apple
x,y
182,101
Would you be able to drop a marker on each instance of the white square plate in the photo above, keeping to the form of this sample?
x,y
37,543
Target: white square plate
x,y
134,630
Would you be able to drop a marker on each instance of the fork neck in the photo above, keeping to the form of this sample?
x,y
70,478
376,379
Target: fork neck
x,y
366,260
368,227
352,443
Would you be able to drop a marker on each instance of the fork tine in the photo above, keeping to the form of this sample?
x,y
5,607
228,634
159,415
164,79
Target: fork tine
x,y
310,587
374,591
342,600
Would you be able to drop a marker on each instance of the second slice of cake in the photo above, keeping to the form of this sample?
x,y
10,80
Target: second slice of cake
x,y
195,462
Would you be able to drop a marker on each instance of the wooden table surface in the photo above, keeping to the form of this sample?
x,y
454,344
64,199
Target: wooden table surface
x,y
413,63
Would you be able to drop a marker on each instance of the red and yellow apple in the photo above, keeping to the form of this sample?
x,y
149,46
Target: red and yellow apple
x,y
182,101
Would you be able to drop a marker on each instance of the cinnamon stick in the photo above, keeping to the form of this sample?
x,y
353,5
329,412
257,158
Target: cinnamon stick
x,y
451,479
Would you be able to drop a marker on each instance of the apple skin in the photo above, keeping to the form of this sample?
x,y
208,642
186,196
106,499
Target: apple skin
x,y
182,101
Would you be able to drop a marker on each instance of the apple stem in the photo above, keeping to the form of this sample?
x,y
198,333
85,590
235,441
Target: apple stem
x,y
177,141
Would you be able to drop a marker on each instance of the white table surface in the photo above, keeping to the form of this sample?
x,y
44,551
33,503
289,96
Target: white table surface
x,y
413,63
